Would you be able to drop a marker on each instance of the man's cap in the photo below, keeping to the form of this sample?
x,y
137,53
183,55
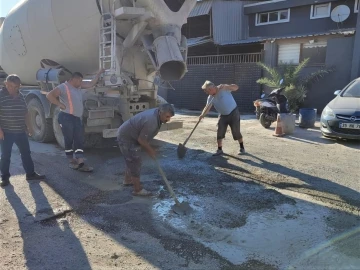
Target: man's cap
x,y
207,84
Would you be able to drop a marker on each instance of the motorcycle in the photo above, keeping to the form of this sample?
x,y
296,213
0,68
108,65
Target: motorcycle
x,y
268,108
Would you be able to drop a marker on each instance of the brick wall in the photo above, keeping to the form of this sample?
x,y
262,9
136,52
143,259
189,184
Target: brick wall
x,y
189,95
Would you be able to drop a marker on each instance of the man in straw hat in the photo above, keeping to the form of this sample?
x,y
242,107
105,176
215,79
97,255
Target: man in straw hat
x,y
220,96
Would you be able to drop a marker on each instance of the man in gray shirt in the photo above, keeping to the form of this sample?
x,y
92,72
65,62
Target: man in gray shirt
x,y
69,97
136,133
221,97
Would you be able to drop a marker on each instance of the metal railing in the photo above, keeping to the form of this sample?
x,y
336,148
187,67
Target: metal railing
x,y
225,59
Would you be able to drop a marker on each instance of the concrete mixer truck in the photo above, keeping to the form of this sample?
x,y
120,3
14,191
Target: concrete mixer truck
x,y
137,42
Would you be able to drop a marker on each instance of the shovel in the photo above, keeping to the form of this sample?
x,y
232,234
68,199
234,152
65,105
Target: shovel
x,y
182,208
181,150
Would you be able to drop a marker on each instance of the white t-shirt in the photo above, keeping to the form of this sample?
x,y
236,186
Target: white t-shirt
x,y
223,102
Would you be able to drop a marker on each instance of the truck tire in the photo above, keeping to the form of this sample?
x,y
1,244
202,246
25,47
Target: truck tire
x,y
41,126
57,129
264,122
91,140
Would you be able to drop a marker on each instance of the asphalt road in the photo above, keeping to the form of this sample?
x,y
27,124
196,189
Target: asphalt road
x,y
289,203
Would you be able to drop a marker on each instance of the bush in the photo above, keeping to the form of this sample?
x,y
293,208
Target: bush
x,y
296,86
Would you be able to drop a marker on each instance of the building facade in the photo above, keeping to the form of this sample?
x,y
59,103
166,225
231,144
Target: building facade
x,y
322,30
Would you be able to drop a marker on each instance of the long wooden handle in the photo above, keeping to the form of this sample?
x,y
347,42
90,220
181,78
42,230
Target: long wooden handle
x,y
198,122
167,183
206,107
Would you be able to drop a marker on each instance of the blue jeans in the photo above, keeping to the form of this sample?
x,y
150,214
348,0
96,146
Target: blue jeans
x,y
73,131
22,142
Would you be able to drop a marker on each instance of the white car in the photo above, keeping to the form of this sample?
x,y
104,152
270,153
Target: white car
x,y
341,117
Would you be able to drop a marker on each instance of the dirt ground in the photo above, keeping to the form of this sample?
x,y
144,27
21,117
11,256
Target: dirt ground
x,y
288,203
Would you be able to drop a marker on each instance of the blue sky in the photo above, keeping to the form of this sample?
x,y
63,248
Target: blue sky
x,y
6,5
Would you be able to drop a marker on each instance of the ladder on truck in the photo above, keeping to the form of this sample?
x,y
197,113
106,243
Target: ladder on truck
x,y
107,48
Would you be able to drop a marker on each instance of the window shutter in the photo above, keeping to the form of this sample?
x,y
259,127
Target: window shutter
x,y
289,53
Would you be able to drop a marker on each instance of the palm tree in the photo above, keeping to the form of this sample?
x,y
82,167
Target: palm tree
x,y
296,86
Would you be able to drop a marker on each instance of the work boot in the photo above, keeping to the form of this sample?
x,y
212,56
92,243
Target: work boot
x,y
4,182
73,164
35,176
218,153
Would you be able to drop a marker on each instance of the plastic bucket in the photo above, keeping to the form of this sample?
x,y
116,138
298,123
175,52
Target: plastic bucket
x,y
307,117
288,122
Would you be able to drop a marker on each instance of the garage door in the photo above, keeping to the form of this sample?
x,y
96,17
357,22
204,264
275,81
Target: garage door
x,y
289,53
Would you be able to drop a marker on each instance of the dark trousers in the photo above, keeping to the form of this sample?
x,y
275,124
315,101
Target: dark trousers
x,y
72,129
132,156
232,120
22,142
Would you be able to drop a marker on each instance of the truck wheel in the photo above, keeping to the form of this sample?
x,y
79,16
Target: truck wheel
x,y
264,122
57,129
90,140
41,126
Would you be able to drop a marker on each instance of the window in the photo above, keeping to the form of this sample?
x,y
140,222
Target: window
x,y
320,11
294,53
289,53
316,51
272,17
357,4
353,90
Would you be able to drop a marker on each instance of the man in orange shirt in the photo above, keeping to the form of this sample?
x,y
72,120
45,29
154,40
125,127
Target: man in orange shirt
x,y
69,97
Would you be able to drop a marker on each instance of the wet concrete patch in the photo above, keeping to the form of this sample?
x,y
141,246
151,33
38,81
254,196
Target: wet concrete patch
x,y
268,235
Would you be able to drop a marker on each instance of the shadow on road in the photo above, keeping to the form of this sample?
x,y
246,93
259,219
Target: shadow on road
x,y
51,248
310,182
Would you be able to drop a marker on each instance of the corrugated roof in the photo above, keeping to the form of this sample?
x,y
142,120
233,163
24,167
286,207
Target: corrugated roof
x,y
201,8
191,42
232,25
349,31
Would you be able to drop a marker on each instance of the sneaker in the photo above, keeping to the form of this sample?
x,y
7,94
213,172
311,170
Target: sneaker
x,y
218,153
35,176
4,182
242,151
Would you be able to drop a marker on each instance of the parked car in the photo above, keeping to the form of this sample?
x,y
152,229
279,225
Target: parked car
x,y
341,117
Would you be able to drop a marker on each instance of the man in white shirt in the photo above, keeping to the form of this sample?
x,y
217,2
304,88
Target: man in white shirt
x,y
221,97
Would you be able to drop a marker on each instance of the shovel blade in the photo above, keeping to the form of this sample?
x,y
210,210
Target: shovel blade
x,y
182,208
181,150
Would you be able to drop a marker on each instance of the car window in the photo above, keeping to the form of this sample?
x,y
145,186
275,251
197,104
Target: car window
x,y
353,90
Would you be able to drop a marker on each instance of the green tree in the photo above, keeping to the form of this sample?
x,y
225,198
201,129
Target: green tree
x,y
296,85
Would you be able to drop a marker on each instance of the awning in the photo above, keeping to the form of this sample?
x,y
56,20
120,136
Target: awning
x,y
349,31
201,8
191,42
